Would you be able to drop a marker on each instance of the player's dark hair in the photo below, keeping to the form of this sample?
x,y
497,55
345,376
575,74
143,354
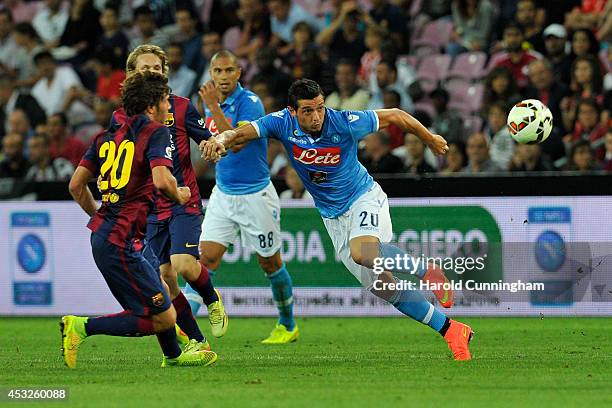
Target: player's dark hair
x,y
303,89
143,90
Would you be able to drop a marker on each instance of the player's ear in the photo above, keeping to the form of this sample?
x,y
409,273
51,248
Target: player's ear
x,y
291,111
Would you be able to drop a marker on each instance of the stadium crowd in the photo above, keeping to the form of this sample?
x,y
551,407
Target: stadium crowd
x,y
456,65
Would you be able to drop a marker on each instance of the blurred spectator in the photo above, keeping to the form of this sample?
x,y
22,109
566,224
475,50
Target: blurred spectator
x,y
19,123
473,20
112,36
146,29
110,76
302,55
501,144
392,18
607,81
515,58
386,79
29,44
526,17
604,29
12,99
81,33
277,159
43,166
296,188
588,126
278,81
478,155
447,122
343,38
8,46
180,77
50,22
392,99
581,157
587,15
500,86
456,159
415,148
284,14
374,37
529,157
377,157
607,162
254,27
190,36
13,163
58,89
584,44
60,143
348,96
103,110
211,44
586,83
555,38
544,87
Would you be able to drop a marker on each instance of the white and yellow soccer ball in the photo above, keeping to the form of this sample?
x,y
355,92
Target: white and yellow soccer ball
x,y
530,121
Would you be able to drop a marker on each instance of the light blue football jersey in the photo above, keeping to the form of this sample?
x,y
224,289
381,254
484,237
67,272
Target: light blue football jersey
x,y
247,171
328,165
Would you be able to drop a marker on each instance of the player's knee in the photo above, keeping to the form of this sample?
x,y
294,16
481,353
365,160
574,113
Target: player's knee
x,y
210,262
168,273
270,264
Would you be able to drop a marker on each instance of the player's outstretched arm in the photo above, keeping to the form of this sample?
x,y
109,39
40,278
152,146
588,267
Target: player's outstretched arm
x,y
80,191
215,147
165,182
408,123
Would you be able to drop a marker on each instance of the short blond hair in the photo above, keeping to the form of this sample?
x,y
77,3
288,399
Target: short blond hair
x,y
130,65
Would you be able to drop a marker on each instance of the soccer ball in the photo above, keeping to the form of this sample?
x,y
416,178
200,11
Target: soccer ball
x,y
530,121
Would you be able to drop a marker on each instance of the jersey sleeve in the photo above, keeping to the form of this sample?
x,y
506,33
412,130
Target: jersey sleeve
x,y
272,125
159,152
361,123
90,159
195,124
118,118
251,108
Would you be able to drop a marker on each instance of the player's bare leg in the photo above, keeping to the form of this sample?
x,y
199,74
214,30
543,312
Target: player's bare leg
x,y
286,331
412,303
198,278
210,257
188,333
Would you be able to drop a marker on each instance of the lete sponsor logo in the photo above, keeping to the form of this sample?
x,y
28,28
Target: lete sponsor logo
x,y
322,156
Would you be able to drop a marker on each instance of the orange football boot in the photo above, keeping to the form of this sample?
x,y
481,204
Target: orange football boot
x,y
435,275
458,337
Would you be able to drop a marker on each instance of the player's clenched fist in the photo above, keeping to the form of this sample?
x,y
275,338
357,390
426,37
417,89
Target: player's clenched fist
x,y
438,145
184,194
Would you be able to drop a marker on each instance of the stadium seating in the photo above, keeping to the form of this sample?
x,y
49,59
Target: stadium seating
x,y
434,36
465,97
468,66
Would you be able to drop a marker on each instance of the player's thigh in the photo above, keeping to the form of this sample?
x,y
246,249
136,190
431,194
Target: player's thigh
x,y
211,254
134,282
260,222
370,224
184,238
339,232
157,245
218,226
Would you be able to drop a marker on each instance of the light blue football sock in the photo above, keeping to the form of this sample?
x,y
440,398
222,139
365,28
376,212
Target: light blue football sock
x,y
393,252
193,297
413,304
282,293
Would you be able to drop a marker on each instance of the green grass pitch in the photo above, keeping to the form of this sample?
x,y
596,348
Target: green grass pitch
x,y
338,362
